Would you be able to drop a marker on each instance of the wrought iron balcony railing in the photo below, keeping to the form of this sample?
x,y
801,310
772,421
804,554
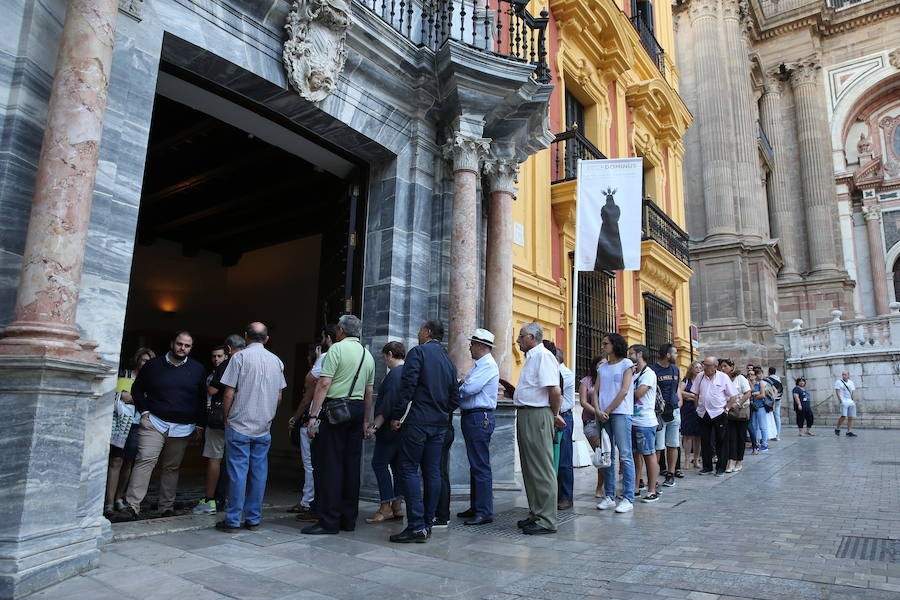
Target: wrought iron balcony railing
x,y
658,226
500,27
648,41
565,150
840,4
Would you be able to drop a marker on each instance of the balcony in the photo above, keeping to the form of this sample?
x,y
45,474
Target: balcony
x,y
659,227
842,4
565,151
501,28
648,41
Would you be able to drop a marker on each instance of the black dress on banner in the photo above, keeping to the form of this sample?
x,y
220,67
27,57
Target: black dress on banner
x,y
609,244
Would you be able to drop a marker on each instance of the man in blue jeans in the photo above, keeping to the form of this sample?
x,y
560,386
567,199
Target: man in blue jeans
x,y
253,382
428,394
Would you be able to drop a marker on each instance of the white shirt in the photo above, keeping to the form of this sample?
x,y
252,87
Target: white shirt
x,y
316,370
479,390
568,391
644,414
174,430
845,391
540,371
611,383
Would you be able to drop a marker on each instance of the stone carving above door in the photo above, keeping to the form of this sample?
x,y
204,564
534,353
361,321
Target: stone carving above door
x,y
315,51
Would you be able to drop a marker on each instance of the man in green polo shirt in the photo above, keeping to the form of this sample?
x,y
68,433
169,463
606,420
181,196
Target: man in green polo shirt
x,y
347,373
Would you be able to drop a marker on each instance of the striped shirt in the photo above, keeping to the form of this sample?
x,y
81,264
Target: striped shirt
x,y
258,378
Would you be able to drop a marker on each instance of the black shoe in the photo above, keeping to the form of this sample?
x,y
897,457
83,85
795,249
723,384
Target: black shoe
x,y
221,526
535,529
478,521
851,434
317,530
704,472
650,498
410,537
524,523
720,473
564,504
440,523
670,480
123,516
837,432
167,513
251,526
466,514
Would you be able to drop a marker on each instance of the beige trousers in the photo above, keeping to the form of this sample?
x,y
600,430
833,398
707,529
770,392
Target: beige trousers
x,y
534,434
154,446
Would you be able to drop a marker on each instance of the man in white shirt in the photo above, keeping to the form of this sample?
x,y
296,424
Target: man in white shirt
x,y
478,400
538,399
644,421
566,472
845,392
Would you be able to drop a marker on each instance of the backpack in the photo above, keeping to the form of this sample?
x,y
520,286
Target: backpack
x,y
779,388
771,396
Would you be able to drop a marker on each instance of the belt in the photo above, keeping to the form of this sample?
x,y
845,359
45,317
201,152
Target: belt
x,y
566,412
533,407
469,411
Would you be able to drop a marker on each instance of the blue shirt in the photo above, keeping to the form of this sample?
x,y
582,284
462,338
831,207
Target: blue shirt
x,y
804,395
479,390
667,380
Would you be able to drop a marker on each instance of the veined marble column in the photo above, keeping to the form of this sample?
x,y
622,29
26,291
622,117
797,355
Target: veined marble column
x,y
57,231
788,228
466,153
498,279
872,216
714,116
815,164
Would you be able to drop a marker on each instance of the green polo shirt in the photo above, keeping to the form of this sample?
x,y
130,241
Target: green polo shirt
x,y
341,363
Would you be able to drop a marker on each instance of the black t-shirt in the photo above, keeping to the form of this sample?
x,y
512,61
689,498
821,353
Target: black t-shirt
x,y
667,380
216,382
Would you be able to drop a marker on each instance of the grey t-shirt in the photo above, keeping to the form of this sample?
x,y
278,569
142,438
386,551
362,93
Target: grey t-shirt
x,y
257,376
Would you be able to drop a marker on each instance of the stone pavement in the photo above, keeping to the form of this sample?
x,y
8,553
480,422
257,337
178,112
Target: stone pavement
x,y
772,531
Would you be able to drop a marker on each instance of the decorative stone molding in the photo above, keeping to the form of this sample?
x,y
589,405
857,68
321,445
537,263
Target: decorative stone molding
x,y
772,82
502,174
806,71
894,58
465,151
704,8
747,25
314,52
132,8
731,9
871,213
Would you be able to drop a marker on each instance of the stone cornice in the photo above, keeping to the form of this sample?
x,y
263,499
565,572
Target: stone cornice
x,y
824,21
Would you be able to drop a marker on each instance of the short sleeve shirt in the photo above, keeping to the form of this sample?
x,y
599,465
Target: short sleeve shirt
x,y
257,376
644,413
845,391
667,380
541,370
802,394
611,383
742,384
341,362
316,370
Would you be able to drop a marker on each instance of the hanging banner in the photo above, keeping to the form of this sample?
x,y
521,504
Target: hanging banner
x,y
608,221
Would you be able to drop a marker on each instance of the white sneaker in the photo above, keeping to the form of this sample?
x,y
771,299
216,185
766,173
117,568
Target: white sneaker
x,y
606,504
624,506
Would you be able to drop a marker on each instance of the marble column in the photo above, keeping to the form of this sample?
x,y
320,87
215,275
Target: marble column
x,y
57,231
466,152
714,118
872,216
815,164
498,280
788,228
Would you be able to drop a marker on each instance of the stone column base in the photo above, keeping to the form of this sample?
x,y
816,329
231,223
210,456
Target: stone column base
x,y
45,403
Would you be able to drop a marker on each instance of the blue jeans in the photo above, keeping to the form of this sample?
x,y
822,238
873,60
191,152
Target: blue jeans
x,y
387,454
421,446
477,428
566,473
759,429
248,462
618,428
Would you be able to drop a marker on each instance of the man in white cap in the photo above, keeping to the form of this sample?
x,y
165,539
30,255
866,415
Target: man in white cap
x,y
478,400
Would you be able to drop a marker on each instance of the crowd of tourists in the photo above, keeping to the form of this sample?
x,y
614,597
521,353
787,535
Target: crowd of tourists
x,y
648,418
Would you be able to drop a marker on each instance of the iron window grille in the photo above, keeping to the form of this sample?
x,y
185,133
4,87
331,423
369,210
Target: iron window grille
x,y
596,314
658,324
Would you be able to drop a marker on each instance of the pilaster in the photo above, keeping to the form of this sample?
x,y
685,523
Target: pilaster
x,y
872,216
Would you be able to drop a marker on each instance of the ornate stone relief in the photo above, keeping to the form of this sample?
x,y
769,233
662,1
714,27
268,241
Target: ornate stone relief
x,y
502,174
871,213
466,151
805,71
314,52
894,58
132,8
704,8
731,9
773,82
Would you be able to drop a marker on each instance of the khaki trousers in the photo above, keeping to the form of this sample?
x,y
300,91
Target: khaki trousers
x,y
534,434
153,446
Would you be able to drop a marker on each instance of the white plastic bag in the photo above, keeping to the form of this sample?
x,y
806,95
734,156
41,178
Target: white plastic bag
x,y
603,454
123,417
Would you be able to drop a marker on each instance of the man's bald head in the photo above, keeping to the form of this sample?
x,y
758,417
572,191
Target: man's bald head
x,y
256,332
710,364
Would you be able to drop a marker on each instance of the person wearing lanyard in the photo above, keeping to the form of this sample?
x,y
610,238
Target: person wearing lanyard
x,y
478,400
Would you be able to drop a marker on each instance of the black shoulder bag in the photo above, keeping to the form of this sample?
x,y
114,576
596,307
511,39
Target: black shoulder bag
x,y
337,410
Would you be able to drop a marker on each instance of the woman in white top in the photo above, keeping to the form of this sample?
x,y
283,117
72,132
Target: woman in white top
x,y
613,403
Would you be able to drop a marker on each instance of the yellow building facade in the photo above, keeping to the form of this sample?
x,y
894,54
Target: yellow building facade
x,y
616,96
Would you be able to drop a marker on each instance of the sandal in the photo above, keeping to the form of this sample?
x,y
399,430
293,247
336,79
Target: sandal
x,y
380,517
679,474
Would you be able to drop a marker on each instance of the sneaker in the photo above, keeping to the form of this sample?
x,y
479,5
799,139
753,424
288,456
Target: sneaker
x,y
624,506
670,480
705,472
720,474
650,498
851,434
205,507
837,432
764,448
440,523
606,504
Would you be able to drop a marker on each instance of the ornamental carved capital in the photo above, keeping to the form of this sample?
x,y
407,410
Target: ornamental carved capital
x,y
894,58
314,52
871,213
502,174
466,152
806,71
773,82
731,9
704,8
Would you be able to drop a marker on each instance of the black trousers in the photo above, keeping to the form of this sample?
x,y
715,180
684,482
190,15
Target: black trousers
x,y
736,433
804,416
337,455
712,441
443,506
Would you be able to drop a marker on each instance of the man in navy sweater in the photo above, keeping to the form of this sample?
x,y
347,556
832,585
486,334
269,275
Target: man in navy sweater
x,y
429,392
170,395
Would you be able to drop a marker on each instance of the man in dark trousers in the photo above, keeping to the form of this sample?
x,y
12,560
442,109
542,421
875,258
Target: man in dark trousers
x,y
429,392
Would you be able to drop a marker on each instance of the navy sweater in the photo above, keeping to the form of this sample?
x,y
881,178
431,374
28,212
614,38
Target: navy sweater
x,y
174,394
428,382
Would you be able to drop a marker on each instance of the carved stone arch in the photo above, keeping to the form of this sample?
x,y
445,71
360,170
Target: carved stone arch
x,y
659,107
852,100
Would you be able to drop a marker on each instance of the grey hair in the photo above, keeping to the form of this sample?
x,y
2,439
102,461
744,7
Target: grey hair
x,y
351,325
535,330
235,342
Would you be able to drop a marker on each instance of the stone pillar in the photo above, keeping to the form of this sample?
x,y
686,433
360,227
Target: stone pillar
x,y
466,153
872,216
784,207
815,164
714,118
498,278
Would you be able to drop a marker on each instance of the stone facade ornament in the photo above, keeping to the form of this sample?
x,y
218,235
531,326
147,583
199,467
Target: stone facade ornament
x,y
132,8
704,8
864,145
502,174
314,52
466,151
805,71
871,213
894,58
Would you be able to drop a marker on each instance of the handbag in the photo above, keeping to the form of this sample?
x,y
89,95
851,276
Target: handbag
x,y
123,417
337,410
739,413
602,457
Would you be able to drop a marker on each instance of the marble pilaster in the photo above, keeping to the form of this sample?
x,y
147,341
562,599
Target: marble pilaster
x,y
872,216
498,281
466,152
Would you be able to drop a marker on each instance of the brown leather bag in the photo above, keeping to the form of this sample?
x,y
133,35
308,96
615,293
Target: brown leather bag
x,y
739,413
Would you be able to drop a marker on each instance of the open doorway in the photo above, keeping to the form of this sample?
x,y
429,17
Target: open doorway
x,y
234,229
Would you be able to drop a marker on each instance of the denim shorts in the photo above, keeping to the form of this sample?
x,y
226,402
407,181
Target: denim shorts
x,y
590,429
643,440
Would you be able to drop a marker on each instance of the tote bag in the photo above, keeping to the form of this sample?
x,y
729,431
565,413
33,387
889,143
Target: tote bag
x,y
603,454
